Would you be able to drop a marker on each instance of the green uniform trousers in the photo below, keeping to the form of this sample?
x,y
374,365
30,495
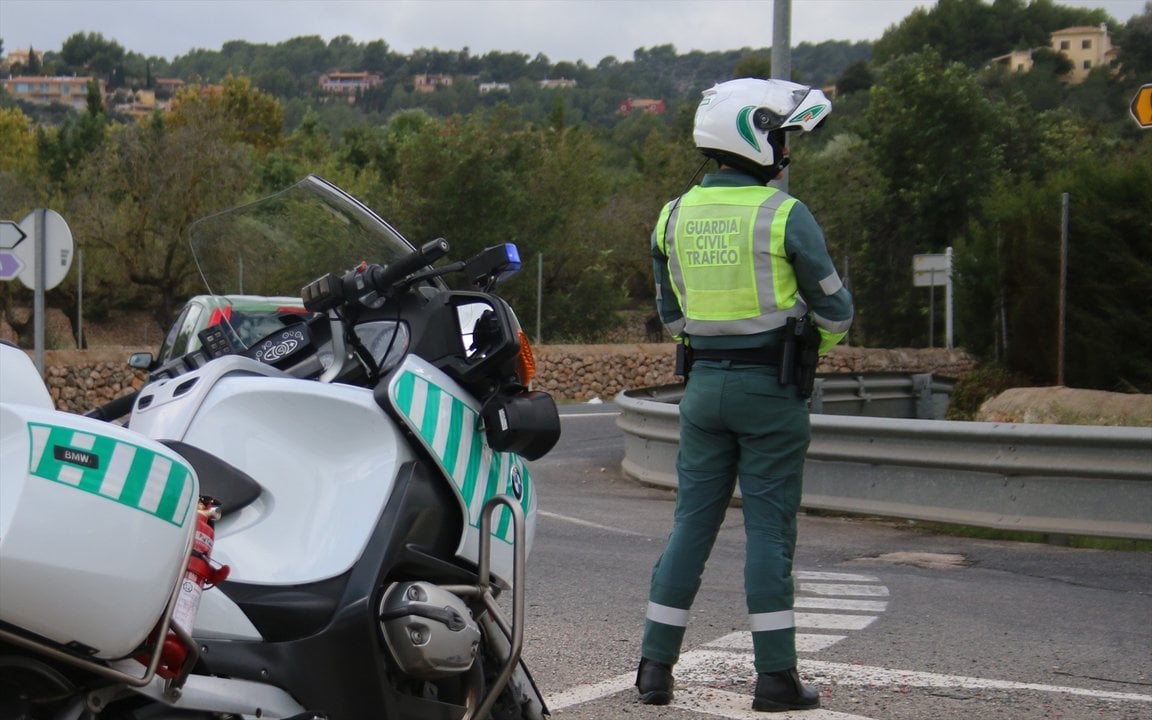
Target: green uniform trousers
x,y
736,422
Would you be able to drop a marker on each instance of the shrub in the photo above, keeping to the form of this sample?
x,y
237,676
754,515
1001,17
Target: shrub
x,y
979,386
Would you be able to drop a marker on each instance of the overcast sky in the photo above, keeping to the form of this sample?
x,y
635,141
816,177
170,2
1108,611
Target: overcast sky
x,y
587,30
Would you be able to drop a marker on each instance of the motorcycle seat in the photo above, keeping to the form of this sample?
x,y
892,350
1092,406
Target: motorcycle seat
x,y
219,480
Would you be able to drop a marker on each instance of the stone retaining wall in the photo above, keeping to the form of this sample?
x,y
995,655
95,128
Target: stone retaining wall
x,y
584,372
83,379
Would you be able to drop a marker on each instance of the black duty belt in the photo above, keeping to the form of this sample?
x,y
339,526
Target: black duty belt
x,y
755,356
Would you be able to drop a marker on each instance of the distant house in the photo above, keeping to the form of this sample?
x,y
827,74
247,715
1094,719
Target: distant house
x,y
70,91
140,103
646,105
168,86
1016,61
1086,47
21,57
349,83
558,83
428,83
488,87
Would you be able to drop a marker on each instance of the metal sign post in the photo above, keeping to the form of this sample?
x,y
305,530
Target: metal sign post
x,y
930,271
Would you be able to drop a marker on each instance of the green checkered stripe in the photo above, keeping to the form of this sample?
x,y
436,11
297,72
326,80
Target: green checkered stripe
x,y
452,431
128,474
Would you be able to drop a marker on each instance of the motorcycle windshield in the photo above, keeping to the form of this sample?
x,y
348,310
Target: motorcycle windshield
x,y
278,244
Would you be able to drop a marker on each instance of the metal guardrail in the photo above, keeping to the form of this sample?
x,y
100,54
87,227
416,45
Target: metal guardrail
x,y
1056,479
895,395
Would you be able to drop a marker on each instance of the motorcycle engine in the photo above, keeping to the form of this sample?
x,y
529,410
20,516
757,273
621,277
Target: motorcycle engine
x,y
430,632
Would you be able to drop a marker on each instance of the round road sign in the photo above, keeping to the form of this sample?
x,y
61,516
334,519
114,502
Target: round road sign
x,y
57,248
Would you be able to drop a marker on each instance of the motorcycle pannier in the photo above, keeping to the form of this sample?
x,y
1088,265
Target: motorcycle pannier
x,y
95,525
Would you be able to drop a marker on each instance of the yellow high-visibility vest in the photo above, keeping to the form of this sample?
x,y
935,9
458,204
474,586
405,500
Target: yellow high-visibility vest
x,y
727,261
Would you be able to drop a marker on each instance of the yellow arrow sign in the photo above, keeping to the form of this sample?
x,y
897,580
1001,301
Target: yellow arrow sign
x,y
1142,107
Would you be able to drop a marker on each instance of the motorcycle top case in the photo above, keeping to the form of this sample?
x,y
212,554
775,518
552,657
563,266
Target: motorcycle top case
x,y
95,523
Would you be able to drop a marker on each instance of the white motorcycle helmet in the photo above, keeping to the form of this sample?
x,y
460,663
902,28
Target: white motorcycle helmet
x,y
742,122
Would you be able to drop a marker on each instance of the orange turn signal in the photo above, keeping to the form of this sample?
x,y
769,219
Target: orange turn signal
x,y
525,361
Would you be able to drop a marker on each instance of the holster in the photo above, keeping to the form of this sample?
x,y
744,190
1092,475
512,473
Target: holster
x,y
800,354
683,360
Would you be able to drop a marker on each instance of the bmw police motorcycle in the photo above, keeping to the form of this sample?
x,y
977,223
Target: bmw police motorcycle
x,y
330,523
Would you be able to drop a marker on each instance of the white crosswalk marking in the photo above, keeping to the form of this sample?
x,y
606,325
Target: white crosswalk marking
x,y
700,673
839,577
844,589
829,591
706,676
823,621
819,603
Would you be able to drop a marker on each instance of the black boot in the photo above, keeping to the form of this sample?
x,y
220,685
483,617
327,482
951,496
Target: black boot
x,y
654,680
780,691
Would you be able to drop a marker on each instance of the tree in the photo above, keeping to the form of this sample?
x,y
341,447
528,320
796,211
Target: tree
x,y
33,67
60,150
20,180
1017,245
249,115
91,52
755,65
133,200
379,58
489,179
839,185
506,67
933,136
973,31
17,143
1135,45
856,77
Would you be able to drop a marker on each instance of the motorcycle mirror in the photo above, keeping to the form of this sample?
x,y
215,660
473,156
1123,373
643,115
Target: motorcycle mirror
x,y
470,318
141,360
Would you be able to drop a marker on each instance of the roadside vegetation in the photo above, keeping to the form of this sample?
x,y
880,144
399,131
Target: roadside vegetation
x,y
930,146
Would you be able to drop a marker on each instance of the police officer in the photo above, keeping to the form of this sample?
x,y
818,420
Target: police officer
x,y
735,260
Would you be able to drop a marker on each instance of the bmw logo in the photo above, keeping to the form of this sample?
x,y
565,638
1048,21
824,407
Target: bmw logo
x,y
517,483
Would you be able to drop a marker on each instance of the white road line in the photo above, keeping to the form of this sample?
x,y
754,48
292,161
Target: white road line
x,y
844,577
701,673
587,415
816,603
585,523
587,693
705,666
845,674
843,589
824,621
698,670
693,692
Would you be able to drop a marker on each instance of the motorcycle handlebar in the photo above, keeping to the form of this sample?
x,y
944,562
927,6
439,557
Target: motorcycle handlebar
x,y
331,291
381,279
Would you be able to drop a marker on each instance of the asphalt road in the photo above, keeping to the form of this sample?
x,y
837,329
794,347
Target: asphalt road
x,y
894,622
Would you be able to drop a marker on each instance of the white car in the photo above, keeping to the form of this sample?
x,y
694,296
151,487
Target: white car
x,y
246,319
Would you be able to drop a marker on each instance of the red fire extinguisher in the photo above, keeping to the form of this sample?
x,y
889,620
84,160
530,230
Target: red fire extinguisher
x,y
199,575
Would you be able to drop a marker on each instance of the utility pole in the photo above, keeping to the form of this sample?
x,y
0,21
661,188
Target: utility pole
x,y
782,59
1063,289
